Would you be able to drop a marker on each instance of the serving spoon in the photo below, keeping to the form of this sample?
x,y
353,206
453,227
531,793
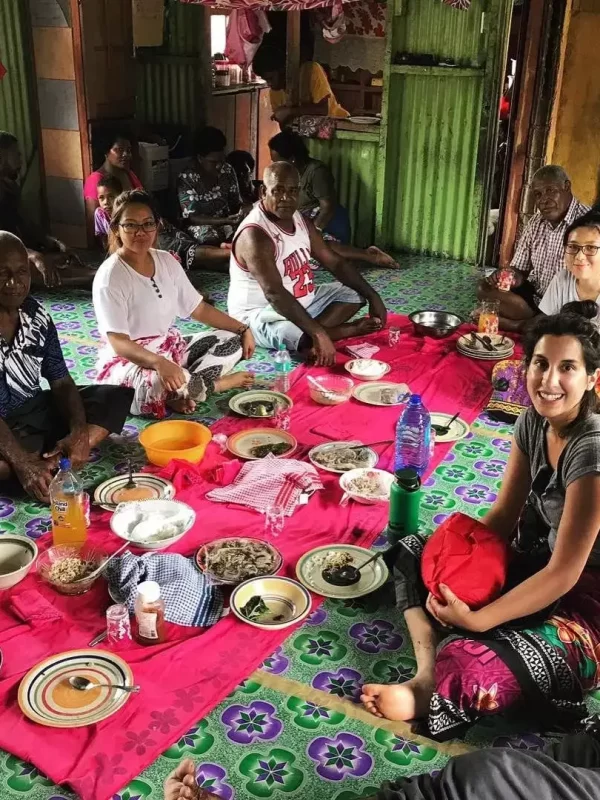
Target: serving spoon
x,y
83,685
348,575
442,430
102,566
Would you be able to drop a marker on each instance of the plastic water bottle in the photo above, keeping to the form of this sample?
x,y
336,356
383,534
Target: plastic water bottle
x,y
283,367
67,507
413,437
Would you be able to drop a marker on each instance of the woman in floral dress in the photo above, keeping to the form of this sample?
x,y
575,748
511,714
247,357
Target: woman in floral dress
x,y
208,192
538,645
138,294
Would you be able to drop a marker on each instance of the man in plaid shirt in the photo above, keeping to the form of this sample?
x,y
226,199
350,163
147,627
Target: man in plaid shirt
x,y
540,250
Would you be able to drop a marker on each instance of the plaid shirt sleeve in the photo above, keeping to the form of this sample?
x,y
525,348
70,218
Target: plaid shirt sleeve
x,y
522,257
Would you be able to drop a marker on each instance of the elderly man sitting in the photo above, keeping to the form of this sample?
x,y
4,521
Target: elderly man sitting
x,y
37,426
271,281
540,251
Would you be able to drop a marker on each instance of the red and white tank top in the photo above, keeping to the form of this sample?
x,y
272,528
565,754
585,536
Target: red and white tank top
x,y
292,257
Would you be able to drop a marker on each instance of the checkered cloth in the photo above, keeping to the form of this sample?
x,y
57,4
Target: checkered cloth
x,y
270,482
189,597
362,350
540,252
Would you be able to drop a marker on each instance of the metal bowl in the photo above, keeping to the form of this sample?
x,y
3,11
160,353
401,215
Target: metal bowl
x,y
438,324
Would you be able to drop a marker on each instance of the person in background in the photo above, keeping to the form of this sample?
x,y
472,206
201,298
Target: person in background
x,y
52,262
108,189
316,97
36,426
208,192
243,165
138,293
581,278
117,151
272,286
540,250
565,770
318,200
548,508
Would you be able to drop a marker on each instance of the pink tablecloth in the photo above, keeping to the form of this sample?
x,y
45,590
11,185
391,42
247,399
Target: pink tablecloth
x,y
185,678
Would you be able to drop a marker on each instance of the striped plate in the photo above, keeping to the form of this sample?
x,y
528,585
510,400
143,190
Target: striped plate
x,y
107,494
47,697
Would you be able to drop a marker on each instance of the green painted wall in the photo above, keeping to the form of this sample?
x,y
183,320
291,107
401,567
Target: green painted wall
x,y
353,160
439,124
18,112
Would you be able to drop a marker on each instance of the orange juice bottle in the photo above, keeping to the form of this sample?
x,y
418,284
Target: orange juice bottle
x,y
67,509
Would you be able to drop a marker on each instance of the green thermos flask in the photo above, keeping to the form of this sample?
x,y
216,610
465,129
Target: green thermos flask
x,y
405,500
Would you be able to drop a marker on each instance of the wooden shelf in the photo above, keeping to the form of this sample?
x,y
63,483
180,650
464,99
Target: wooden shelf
x,y
437,72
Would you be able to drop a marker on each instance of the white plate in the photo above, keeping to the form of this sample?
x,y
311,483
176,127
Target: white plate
x,y
242,443
309,569
256,396
487,356
358,120
458,430
323,448
106,493
370,393
385,479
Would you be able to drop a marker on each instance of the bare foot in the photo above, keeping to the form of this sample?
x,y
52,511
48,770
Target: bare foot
x,y
361,327
181,405
400,701
237,380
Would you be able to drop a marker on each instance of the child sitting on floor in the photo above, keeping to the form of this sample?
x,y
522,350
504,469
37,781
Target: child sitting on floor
x,y
109,188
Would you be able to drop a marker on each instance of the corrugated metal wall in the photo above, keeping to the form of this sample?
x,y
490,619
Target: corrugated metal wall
x,y
354,167
17,109
430,186
437,124
173,80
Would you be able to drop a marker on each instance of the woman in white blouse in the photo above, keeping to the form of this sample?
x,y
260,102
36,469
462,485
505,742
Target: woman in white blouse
x,y
581,278
138,293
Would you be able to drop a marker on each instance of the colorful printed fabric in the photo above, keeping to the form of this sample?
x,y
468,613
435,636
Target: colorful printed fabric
x,y
218,201
550,663
206,356
462,5
510,395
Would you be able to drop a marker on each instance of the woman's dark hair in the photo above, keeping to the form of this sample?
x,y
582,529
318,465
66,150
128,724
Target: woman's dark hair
x,y
123,201
104,140
268,59
589,220
239,159
289,145
110,182
209,140
573,320
7,140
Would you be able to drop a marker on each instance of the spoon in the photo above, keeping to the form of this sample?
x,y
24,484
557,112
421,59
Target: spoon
x,y
442,430
348,575
488,345
102,566
83,685
130,483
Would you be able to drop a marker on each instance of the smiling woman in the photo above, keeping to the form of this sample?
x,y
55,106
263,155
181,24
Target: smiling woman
x,y
138,294
549,508
581,278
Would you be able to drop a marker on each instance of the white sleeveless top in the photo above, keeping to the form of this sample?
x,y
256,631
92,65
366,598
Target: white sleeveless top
x,y
292,256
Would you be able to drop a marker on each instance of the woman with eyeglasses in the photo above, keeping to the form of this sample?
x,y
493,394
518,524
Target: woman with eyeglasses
x,y
581,278
138,294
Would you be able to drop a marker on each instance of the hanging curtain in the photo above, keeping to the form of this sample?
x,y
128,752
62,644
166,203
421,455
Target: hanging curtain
x,y
275,5
462,5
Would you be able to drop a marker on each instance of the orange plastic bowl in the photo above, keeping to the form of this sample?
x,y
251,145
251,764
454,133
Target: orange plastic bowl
x,y
177,438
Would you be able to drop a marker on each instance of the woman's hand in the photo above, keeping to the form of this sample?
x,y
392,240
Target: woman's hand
x,y
452,612
171,375
248,344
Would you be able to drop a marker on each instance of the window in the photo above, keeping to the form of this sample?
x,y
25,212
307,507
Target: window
x,y
218,31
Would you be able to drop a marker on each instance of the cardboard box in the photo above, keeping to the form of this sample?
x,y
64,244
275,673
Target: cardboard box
x,y
154,160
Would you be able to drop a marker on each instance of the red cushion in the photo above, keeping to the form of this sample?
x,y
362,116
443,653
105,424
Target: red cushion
x,y
469,558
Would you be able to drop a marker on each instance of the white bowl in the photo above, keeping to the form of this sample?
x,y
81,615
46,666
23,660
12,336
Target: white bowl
x,y
367,369
17,556
287,600
123,520
385,479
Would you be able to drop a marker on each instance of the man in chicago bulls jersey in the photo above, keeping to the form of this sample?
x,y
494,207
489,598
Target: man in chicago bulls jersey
x,y
272,286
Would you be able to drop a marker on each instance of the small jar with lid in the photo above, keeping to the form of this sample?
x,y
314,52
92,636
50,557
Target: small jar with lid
x,y
149,614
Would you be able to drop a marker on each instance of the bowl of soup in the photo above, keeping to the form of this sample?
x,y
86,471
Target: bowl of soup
x,y
17,557
177,438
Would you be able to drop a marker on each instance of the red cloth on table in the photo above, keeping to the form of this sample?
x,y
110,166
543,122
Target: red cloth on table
x,y
469,558
186,677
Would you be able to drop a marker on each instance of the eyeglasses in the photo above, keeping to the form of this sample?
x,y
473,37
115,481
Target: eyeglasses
x,y
586,249
133,227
